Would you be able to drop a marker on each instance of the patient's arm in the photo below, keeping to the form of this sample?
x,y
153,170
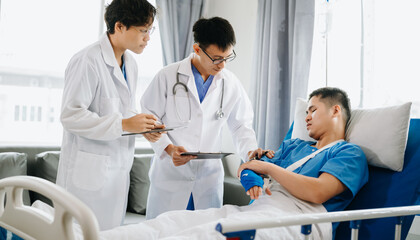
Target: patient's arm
x,y
252,182
315,190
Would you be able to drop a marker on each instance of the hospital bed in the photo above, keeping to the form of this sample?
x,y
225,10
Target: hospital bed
x,y
383,209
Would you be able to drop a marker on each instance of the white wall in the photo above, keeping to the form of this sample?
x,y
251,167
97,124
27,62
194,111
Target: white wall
x,y
242,14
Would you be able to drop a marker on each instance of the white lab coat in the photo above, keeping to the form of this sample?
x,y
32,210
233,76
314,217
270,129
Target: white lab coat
x,y
95,159
171,186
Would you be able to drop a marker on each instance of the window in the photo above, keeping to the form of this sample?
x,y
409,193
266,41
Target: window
x,y
17,113
368,48
36,44
24,113
39,114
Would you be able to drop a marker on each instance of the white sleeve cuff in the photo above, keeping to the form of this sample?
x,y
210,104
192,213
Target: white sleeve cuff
x,y
160,145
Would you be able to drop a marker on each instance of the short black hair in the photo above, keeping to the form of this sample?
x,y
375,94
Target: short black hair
x,y
334,96
214,30
130,13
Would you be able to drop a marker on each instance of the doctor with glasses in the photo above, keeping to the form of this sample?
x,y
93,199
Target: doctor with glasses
x,y
199,93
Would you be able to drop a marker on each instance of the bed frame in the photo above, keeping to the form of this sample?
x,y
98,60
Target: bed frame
x,y
31,223
383,209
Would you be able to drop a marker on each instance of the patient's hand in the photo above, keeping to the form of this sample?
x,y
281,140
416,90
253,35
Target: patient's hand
x,y
255,192
259,153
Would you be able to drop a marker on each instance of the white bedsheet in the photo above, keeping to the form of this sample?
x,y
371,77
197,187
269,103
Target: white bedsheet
x,y
201,224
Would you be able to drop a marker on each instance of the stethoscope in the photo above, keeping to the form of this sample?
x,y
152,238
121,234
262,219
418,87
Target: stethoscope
x,y
219,113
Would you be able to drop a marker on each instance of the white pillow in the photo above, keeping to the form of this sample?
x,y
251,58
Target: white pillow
x,y
381,132
299,125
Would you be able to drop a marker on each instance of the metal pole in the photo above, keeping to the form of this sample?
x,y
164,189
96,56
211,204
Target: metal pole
x,y
362,54
101,18
355,226
326,59
398,228
306,230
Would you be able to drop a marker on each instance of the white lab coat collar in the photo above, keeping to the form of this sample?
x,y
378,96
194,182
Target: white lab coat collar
x,y
185,66
109,58
185,69
185,75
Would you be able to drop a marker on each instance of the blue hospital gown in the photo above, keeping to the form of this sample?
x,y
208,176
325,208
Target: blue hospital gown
x,y
7,235
345,161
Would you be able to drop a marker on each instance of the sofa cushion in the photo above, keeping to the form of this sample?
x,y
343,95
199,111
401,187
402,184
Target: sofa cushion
x,y
14,164
139,183
45,166
234,193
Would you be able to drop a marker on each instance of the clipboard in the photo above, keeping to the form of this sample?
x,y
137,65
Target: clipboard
x,y
167,129
206,155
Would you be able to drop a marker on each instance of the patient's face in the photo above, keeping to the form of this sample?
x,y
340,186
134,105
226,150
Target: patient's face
x,y
318,118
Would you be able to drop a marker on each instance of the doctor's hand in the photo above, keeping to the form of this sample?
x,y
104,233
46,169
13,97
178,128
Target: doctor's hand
x,y
259,153
139,123
175,153
154,136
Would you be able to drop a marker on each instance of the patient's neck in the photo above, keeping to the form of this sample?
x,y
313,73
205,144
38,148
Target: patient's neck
x,y
329,138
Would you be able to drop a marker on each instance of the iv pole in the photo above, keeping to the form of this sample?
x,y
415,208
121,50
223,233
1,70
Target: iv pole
x,y
362,56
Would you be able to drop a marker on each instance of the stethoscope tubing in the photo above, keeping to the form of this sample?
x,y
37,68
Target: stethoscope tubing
x,y
219,113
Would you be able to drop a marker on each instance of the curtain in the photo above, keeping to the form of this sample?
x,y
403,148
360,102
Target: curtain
x,y
282,60
176,19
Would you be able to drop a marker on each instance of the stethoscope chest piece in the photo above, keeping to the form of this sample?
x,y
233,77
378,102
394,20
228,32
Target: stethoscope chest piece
x,y
220,114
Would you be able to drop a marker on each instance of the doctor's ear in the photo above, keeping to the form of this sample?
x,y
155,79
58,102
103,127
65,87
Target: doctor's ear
x,y
119,27
196,48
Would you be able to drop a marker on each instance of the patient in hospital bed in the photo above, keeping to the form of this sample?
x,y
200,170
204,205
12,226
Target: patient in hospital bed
x,y
325,181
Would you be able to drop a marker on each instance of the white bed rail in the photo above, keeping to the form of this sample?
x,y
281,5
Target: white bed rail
x,y
31,223
306,220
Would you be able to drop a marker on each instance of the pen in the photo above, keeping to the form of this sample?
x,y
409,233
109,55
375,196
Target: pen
x,y
135,112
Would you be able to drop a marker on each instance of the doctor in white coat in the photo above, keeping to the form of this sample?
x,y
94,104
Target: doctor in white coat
x,y
197,91
98,97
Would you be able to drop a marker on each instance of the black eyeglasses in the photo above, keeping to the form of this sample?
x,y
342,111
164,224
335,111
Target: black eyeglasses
x,y
147,31
219,61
